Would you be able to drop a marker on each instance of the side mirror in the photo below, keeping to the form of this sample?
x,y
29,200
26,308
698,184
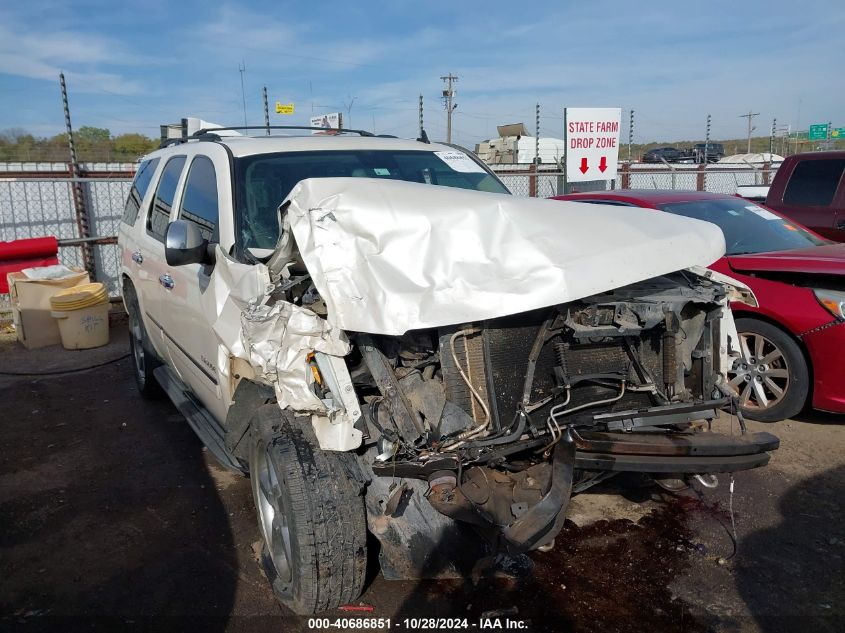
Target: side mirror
x,y
184,244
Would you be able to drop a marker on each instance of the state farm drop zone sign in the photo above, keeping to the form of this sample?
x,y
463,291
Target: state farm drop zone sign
x,y
592,143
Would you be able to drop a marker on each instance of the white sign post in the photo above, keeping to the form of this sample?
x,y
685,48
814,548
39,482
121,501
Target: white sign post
x,y
592,143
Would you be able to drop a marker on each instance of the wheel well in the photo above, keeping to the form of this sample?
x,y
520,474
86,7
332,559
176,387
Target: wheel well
x,y
739,314
248,398
126,284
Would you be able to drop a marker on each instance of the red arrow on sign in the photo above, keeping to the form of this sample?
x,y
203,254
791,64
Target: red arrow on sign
x,y
583,166
603,164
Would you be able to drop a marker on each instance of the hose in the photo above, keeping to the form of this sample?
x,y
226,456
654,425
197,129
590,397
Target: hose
x,y
460,439
554,414
511,437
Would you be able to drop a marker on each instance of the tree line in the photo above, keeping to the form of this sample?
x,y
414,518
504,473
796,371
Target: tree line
x,y
93,145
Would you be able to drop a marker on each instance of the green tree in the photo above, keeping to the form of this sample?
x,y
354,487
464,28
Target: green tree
x,y
93,135
131,146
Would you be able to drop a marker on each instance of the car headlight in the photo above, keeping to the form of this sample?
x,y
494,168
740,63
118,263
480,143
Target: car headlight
x,y
833,300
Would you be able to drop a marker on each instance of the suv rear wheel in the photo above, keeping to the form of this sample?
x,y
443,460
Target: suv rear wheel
x,y
310,514
144,360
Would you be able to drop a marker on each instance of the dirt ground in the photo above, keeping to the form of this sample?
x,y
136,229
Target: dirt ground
x,y
114,517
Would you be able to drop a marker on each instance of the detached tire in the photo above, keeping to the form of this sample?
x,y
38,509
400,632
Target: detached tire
x,y
310,514
144,359
772,380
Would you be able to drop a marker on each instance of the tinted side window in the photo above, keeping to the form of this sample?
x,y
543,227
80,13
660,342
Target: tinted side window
x,y
159,216
813,183
140,184
199,202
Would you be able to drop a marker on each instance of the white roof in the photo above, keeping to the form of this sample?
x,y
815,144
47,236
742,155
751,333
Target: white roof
x,y
251,145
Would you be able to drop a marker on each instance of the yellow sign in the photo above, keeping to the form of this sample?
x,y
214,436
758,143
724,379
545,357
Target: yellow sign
x,y
284,108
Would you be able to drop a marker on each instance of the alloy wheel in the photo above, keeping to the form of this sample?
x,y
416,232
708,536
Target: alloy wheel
x,y
138,356
271,514
761,376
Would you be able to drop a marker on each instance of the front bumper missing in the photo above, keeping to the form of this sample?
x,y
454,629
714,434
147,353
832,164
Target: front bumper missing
x,y
638,441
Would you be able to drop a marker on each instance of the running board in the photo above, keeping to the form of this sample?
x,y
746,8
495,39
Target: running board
x,y
205,426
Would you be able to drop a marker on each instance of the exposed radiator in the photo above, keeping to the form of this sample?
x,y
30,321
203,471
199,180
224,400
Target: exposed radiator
x,y
497,362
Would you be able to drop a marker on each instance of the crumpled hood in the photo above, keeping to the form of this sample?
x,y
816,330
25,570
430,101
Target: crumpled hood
x,y
391,256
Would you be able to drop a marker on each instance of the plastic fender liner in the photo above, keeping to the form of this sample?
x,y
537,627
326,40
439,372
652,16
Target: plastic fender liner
x,y
542,522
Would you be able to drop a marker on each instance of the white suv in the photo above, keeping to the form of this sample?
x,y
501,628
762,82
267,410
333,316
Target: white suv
x,y
383,338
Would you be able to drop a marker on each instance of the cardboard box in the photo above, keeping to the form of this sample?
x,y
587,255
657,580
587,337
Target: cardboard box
x,y
31,307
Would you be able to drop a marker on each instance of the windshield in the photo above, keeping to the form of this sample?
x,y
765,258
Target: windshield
x,y
263,181
748,228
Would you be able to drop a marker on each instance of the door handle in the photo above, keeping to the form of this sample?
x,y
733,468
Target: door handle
x,y
167,281
137,257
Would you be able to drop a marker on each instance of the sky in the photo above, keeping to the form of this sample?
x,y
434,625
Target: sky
x,y
134,65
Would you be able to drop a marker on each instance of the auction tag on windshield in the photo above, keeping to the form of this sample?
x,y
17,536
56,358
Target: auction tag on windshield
x,y
460,162
763,213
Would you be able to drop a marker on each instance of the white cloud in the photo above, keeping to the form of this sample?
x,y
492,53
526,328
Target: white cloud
x,y
42,54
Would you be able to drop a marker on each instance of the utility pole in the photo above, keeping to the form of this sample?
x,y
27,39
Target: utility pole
x,y
421,116
348,108
772,138
242,70
266,112
537,137
750,116
448,96
630,135
76,187
707,141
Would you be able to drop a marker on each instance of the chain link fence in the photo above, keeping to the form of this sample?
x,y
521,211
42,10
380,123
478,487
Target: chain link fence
x,y
523,180
36,199
36,202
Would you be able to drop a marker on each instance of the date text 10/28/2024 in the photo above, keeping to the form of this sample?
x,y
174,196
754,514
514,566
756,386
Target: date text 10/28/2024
x,y
430,624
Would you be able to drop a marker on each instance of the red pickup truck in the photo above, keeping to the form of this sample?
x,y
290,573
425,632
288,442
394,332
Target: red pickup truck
x,y
810,189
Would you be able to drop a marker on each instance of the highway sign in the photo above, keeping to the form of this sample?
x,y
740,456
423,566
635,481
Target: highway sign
x,y
592,143
818,132
837,133
284,108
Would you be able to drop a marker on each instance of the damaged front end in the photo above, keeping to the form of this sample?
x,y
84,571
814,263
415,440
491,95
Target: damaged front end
x,y
502,418
494,419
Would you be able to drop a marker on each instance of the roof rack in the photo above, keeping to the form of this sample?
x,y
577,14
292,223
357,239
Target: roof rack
x,y
210,134
206,131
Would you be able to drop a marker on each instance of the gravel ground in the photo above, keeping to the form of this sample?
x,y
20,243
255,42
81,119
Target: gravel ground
x,y
114,517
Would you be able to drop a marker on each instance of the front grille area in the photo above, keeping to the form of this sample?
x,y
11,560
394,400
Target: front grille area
x,y
507,344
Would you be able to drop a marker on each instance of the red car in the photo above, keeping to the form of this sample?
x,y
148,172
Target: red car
x,y
794,342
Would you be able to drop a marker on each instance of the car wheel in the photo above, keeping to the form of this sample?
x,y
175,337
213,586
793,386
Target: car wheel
x,y
144,359
310,514
772,378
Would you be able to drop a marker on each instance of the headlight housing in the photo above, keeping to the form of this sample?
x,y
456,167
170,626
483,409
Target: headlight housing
x,y
833,301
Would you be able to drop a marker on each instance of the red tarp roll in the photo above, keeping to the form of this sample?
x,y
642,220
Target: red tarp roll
x,y
31,253
29,249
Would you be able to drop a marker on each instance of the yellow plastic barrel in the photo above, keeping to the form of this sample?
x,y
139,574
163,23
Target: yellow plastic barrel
x,y
82,313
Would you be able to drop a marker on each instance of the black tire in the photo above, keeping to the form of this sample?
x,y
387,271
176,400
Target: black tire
x,y
785,369
144,359
315,498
